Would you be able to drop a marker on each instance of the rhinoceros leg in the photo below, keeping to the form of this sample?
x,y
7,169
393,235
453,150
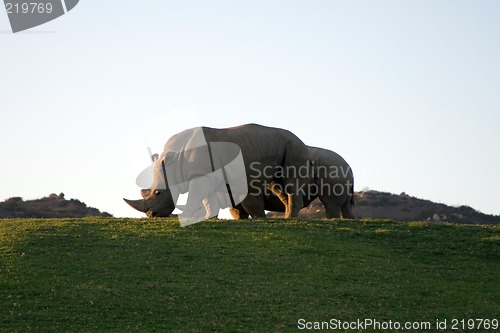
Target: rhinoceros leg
x,y
332,206
254,205
275,189
238,213
332,211
347,212
212,206
295,204
200,198
347,208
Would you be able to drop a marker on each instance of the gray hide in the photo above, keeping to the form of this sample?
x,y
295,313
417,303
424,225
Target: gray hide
x,y
264,150
333,183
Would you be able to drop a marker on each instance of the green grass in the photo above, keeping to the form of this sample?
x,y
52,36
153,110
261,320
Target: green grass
x,y
121,275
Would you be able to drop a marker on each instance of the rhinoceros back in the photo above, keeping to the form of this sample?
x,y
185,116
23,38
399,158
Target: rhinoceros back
x,y
266,150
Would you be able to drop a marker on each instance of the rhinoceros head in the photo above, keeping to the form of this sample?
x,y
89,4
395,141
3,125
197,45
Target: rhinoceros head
x,y
157,201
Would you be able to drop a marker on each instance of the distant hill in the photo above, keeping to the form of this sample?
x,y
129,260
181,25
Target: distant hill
x,y
402,207
52,206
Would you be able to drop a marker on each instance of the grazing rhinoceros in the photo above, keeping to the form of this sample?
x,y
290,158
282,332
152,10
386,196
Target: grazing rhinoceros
x,y
332,182
265,152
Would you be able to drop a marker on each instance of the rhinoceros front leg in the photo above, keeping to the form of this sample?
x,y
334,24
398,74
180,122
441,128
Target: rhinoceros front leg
x,y
214,202
238,212
254,205
201,194
212,206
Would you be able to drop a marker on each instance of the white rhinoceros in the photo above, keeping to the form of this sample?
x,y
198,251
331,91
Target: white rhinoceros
x,y
332,181
192,158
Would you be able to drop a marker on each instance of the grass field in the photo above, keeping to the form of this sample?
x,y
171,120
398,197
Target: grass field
x,y
121,275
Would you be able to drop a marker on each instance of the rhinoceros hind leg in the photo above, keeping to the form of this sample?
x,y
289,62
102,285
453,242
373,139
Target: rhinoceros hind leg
x,y
272,186
332,209
347,208
295,204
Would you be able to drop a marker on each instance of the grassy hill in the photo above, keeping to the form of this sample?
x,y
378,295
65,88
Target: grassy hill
x,y
117,275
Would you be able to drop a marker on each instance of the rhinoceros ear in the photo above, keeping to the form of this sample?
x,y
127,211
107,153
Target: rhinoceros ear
x,y
136,204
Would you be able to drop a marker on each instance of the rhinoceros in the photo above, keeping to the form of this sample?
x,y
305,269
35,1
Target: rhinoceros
x,y
265,152
333,183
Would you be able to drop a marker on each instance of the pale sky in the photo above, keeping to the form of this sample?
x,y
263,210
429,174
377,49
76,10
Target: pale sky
x,y
406,91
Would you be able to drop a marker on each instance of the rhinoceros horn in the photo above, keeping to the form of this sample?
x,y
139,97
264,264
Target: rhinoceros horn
x,y
137,204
